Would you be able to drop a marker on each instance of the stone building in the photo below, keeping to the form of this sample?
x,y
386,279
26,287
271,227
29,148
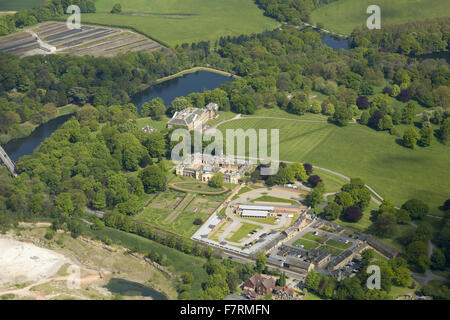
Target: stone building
x,y
191,117
204,167
298,265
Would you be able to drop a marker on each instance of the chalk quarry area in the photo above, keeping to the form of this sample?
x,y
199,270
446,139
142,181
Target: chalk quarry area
x,y
24,262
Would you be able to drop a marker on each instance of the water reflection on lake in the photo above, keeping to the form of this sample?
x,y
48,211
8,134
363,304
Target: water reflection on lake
x,y
181,86
133,289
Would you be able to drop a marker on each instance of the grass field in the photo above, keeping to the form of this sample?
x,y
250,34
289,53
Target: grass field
x,y
268,220
344,15
242,232
16,5
331,250
338,244
310,236
184,21
395,172
275,200
307,244
332,182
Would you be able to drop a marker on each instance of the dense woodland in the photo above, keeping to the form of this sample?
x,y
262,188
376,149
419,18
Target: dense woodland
x,y
413,38
292,11
273,64
100,159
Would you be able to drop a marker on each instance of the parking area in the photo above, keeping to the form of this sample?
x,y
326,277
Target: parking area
x,y
275,214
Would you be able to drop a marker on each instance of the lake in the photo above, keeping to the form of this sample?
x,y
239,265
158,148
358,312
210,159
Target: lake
x,y
339,43
168,90
133,289
335,43
24,146
181,86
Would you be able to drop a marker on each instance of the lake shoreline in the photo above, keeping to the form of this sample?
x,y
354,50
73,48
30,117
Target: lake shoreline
x,y
33,135
61,112
186,72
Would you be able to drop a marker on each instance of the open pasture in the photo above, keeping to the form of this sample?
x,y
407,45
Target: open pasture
x,y
395,172
344,15
184,21
16,5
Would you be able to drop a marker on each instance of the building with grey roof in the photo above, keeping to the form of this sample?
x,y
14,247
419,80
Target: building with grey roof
x,y
191,117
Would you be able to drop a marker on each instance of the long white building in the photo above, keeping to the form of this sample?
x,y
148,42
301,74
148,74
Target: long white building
x,y
252,207
250,211
254,213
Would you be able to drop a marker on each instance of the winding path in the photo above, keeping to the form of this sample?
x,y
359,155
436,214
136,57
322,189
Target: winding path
x,y
325,200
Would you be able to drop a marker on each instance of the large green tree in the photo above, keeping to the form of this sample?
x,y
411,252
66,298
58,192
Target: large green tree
x,y
153,178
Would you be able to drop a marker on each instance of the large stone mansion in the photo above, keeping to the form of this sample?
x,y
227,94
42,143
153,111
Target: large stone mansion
x,y
191,117
204,167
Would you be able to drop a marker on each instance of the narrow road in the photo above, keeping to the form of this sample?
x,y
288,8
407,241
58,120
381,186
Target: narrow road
x,y
325,200
428,276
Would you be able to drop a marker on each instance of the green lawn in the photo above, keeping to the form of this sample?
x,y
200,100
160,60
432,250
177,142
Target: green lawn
x,y
310,241
344,15
184,21
331,250
68,109
395,172
268,220
157,124
223,115
242,232
397,291
338,244
312,237
197,187
275,199
277,113
362,224
333,183
307,244
312,296
16,5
